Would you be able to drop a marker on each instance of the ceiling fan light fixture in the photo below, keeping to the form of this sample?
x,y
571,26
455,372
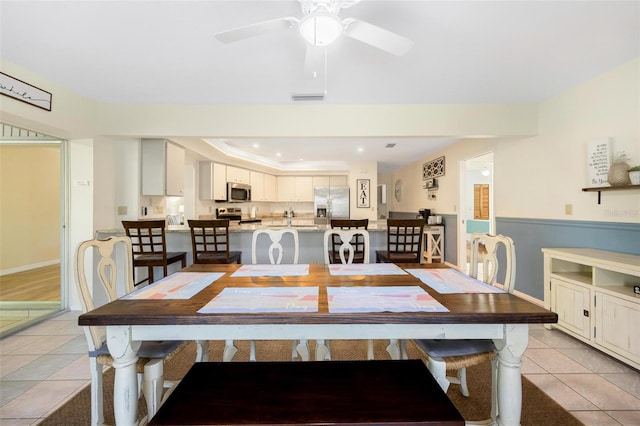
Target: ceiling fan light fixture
x,y
320,28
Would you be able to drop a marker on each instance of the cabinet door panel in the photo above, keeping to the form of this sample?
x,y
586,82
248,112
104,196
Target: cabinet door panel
x,y
617,325
571,302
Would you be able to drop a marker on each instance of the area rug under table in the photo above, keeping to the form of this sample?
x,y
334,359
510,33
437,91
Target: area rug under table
x,y
537,408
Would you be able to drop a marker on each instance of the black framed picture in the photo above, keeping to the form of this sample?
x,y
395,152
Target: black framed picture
x,y
25,92
433,169
364,192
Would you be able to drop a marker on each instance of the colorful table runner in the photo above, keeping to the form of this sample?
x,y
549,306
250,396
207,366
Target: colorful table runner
x,y
181,285
263,299
366,269
288,270
449,281
381,299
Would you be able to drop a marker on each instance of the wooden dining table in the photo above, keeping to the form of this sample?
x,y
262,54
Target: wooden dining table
x,y
502,317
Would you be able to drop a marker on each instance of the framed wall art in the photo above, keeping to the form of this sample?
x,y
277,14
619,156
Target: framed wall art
x,y
433,169
364,192
25,92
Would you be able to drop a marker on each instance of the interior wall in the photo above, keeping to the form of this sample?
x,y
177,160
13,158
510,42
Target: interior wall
x,y
30,200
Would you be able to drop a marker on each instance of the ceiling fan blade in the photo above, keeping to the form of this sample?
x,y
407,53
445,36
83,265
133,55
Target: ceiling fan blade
x,y
376,36
257,29
315,61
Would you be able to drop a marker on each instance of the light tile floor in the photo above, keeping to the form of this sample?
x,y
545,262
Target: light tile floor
x,y
47,363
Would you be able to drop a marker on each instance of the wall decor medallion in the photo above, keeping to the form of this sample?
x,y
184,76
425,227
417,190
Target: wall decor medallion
x,y
25,92
397,190
433,169
364,192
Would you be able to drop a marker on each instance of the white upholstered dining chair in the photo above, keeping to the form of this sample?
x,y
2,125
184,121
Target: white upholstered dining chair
x,y
443,355
110,278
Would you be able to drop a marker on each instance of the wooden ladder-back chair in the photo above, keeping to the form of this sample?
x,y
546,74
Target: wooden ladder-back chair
x,y
150,246
404,242
336,242
443,355
106,281
210,242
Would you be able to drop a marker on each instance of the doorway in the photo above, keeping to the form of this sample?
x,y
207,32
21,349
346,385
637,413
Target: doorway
x,y
31,258
476,211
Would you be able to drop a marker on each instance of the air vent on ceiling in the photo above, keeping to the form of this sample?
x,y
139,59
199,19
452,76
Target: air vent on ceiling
x,y
390,145
307,97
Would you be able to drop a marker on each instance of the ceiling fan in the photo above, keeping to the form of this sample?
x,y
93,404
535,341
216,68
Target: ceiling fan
x,y
320,26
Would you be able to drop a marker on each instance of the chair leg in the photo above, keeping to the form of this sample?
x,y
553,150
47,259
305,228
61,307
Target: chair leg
x,y
97,405
252,350
152,385
202,350
462,376
229,351
151,279
300,348
494,388
322,350
393,348
370,355
438,369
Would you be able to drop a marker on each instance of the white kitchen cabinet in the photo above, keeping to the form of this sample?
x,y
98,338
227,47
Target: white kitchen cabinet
x,y
295,188
304,188
339,180
257,186
270,188
161,168
238,175
286,188
212,180
592,293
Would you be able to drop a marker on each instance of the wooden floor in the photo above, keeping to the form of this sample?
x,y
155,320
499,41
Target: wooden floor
x,y
36,285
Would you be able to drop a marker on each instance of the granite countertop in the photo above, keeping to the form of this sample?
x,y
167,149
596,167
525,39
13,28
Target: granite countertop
x,y
302,225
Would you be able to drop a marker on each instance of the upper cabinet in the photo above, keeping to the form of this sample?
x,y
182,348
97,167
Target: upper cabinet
x,y
238,175
257,186
295,188
270,188
330,181
212,180
162,168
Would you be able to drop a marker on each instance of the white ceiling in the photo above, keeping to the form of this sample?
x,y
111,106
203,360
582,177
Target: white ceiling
x,y
464,52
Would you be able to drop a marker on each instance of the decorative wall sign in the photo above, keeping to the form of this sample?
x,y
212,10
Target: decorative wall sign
x,y
25,92
433,168
598,161
364,192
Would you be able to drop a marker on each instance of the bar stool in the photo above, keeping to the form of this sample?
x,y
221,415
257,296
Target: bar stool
x,y
434,242
210,242
150,246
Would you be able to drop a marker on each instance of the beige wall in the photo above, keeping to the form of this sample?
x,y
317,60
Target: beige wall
x,y
536,176
30,200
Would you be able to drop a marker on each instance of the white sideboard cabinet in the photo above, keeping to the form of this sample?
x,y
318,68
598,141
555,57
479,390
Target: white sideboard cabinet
x,y
592,291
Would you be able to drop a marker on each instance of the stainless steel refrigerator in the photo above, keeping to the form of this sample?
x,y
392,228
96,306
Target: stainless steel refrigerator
x,y
330,202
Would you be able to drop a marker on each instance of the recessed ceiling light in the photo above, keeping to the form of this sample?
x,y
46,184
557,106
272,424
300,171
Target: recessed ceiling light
x,y
360,149
278,154
256,145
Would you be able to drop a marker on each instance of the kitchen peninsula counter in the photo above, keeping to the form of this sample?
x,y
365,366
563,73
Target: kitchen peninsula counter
x,y
309,234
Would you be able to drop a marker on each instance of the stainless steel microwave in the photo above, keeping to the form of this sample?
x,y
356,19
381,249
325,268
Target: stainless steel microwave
x,y
238,192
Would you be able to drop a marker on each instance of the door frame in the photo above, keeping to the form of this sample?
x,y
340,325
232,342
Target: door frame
x,y
466,167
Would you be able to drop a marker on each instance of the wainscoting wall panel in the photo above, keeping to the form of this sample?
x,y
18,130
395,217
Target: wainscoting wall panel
x,y
531,235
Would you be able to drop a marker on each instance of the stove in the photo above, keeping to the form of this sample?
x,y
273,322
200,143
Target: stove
x,y
234,213
231,213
